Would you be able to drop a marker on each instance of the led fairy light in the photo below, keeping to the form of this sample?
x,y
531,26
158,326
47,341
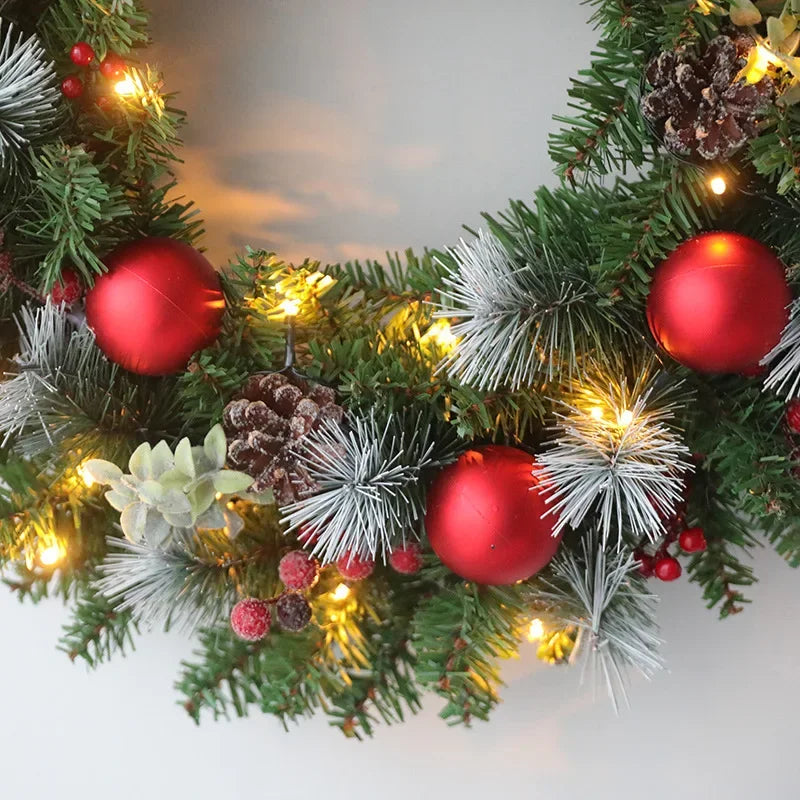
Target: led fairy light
x,y
718,185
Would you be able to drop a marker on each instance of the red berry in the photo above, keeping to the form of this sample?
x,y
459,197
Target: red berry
x,y
69,290
112,67
692,540
298,570
82,54
250,619
293,612
793,416
406,559
72,87
104,102
645,563
353,567
667,568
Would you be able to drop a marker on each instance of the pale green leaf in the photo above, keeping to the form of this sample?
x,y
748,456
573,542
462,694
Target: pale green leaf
x,y
230,482
184,460
134,521
102,471
139,464
216,447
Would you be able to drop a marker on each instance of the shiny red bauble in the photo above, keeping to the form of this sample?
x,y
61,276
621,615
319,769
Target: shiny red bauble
x,y
159,302
484,517
719,302
81,54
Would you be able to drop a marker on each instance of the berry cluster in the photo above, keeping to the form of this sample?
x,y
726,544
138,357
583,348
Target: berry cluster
x,y
662,564
112,68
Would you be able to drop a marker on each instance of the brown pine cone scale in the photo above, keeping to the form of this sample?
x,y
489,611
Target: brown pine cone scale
x,y
699,103
266,425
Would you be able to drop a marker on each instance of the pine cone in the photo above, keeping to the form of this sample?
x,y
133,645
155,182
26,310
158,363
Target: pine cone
x,y
266,425
698,103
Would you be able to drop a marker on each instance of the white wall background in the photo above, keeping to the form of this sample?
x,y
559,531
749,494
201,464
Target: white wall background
x,y
339,129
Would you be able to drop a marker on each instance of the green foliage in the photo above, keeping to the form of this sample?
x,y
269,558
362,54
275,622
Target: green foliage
x,y
98,629
458,636
110,26
67,216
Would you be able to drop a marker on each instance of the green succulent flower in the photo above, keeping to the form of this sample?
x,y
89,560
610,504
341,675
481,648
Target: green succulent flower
x,y
165,491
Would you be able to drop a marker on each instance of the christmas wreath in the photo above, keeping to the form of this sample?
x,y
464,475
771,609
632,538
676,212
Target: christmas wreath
x,y
355,483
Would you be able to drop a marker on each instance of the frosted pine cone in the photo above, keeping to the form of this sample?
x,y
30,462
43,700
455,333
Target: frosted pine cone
x,y
698,102
267,424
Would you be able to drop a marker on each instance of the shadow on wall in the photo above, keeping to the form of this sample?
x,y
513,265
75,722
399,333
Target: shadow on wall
x,y
319,130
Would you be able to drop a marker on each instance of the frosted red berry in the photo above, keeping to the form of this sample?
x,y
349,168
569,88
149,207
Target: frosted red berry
x,y
793,416
692,540
668,568
69,290
353,567
112,67
251,619
293,612
406,559
72,87
81,54
298,570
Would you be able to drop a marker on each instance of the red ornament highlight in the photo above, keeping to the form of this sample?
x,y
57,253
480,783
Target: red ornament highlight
x,y
353,567
159,302
251,619
719,302
407,559
484,517
81,54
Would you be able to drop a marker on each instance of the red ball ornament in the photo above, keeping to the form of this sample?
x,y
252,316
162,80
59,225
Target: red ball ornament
x,y
484,517
298,570
251,619
353,567
81,54
112,67
159,302
719,302
72,87
406,559
692,540
68,290
668,568
793,416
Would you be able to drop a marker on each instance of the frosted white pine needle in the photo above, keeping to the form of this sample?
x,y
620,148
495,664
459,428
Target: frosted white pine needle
x,y
28,94
784,358
370,495
517,322
615,456
600,593
164,585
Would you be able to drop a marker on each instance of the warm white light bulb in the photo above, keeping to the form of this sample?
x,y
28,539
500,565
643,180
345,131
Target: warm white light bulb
x,y
51,555
125,88
718,185
625,418
596,413
341,592
536,630
290,307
